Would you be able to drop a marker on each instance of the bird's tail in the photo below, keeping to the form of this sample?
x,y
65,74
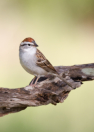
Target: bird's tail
x,y
65,81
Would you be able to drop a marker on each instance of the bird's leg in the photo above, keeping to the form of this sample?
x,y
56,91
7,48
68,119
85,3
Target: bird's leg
x,y
34,79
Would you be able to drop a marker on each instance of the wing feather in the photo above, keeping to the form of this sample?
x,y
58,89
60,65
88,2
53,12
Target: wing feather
x,y
44,63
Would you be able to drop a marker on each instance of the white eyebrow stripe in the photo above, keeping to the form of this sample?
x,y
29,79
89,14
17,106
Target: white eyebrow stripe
x,y
22,43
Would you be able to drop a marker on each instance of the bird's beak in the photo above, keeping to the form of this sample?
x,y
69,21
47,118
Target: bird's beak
x,y
35,44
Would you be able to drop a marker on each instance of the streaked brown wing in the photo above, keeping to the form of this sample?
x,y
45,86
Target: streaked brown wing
x,y
44,63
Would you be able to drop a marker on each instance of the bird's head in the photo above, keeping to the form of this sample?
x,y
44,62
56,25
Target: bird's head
x,y
28,43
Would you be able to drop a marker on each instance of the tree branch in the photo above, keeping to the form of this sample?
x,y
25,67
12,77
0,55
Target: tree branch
x,y
48,90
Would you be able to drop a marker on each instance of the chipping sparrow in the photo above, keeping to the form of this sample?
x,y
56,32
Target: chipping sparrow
x,y
34,62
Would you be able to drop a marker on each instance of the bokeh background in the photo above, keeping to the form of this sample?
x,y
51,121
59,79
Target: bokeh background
x,y
64,31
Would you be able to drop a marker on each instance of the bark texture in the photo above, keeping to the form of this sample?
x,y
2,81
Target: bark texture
x,y
48,90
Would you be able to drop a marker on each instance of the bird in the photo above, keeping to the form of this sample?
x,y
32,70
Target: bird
x,y
34,62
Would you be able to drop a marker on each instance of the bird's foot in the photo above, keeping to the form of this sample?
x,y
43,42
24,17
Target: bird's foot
x,y
33,81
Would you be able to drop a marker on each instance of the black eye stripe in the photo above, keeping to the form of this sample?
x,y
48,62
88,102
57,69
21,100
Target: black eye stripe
x,y
27,44
23,44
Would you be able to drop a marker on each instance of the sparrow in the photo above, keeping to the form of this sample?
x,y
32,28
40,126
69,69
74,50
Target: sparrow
x,y
34,62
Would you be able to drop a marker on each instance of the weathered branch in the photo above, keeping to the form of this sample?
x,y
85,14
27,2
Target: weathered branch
x,y
48,89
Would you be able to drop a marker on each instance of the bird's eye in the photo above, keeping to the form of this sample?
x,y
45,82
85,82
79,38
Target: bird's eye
x,y
29,44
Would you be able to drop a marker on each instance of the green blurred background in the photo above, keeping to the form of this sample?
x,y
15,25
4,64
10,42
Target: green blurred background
x,y
64,31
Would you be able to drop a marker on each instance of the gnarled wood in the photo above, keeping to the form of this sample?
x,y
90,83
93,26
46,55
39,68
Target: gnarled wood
x,y
48,90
